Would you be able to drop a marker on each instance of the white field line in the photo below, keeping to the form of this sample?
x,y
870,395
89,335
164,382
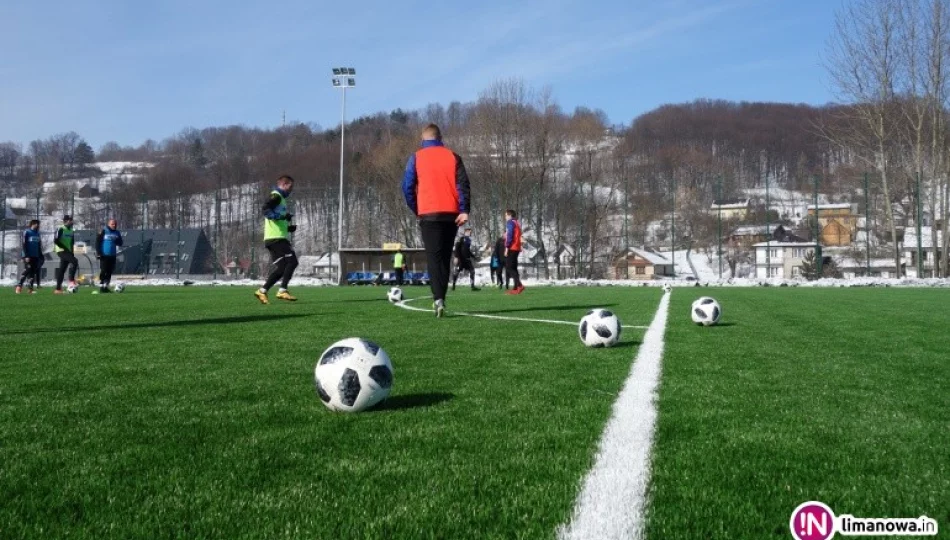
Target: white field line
x,y
612,502
404,305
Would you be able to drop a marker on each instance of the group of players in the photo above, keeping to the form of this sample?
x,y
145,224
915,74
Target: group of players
x,y
503,262
436,188
108,242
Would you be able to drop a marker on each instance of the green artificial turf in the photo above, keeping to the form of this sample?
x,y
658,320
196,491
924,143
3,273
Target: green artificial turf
x,y
191,413
835,395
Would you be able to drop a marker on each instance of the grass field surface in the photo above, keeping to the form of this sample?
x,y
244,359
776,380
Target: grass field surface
x,y
191,413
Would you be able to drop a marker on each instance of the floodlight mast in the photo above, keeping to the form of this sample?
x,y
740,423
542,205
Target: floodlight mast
x,y
343,77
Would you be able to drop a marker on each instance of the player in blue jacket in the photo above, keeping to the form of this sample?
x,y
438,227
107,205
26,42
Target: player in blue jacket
x,y
32,254
108,242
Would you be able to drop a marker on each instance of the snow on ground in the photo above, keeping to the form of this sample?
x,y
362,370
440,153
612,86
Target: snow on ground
x,y
482,281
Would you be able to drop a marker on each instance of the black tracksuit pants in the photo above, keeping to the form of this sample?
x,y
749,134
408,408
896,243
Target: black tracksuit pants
x,y
511,266
106,268
438,237
66,260
283,263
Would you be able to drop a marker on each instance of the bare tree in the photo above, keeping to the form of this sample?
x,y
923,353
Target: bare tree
x,y
864,65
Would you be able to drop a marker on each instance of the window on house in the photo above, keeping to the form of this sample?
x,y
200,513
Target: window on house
x,y
641,270
773,272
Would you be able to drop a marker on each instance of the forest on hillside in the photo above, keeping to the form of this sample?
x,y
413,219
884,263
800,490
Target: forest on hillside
x,y
574,177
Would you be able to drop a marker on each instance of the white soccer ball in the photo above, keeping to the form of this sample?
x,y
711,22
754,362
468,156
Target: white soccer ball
x,y
71,289
599,328
706,311
119,288
394,295
353,375
667,288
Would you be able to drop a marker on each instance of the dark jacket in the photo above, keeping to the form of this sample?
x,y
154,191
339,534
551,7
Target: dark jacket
x,y
498,255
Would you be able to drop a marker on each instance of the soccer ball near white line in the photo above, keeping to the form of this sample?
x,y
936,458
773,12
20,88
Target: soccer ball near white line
x,y
706,311
599,328
667,288
394,295
71,289
119,288
353,375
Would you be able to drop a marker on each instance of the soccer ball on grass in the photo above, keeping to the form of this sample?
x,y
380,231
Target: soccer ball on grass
x,y
71,289
353,375
599,328
119,288
706,311
394,295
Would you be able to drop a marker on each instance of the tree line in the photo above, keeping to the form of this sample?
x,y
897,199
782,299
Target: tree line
x,y
571,175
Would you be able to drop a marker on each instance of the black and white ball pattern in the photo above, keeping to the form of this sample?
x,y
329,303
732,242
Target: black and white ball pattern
x,y
706,311
599,328
394,295
353,375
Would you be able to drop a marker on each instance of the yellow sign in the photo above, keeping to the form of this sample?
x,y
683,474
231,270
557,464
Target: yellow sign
x,y
392,246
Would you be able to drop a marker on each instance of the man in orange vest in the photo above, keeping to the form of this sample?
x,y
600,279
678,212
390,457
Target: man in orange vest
x,y
436,189
513,249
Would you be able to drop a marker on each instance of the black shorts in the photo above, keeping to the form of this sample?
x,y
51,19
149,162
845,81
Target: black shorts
x,y
279,248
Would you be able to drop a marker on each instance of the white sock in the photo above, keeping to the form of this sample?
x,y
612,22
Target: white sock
x,y
262,290
282,290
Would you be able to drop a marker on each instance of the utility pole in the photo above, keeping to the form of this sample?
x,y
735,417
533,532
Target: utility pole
x,y
673,226
818,256
920,261
178,243
867,225
3,232
719,231
768,231
142,236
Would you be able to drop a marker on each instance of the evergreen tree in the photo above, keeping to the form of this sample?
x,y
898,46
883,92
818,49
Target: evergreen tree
x,y
83,156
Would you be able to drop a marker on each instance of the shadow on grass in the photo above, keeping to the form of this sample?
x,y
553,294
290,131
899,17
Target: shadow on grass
x,y
164,324
723,325
412,401
585,308
626,345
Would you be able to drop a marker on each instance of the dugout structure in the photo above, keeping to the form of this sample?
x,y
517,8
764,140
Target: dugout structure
x,y
374,266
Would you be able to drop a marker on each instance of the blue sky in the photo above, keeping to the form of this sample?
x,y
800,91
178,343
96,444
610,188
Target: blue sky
x,y
128,71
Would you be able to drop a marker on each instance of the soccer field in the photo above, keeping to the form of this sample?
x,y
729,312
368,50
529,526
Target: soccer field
x,y
191,412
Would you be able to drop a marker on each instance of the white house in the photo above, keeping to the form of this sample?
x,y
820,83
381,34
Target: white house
x,y
730,208
909,250
781,260
853,268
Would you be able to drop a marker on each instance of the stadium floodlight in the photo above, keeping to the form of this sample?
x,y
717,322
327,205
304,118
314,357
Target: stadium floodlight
x,y
345,78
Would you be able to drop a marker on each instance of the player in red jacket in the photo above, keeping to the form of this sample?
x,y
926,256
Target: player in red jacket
x,y
513,249
436,189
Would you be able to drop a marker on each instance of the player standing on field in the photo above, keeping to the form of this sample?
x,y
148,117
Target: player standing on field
x,y
277,229
498,262
513,249
436,189
464,258
63,246
108,242
32,254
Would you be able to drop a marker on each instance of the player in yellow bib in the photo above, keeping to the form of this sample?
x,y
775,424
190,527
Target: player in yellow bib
x,y
277,229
